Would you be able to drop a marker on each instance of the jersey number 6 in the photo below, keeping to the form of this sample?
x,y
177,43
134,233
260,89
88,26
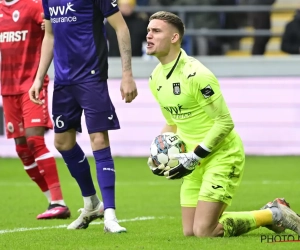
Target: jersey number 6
x,y
59,123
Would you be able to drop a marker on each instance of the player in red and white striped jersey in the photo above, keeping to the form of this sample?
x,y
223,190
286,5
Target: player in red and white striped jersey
x,y
21,37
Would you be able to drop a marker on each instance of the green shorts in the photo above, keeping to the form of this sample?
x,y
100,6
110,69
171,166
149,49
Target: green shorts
x,y
217,177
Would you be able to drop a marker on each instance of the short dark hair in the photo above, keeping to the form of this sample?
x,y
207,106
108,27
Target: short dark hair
x,y
171,19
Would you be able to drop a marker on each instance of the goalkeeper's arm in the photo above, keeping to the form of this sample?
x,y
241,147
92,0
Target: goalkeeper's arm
x,y
223,125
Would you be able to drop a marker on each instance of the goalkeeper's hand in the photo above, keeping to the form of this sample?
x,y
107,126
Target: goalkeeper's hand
x,y
156,170
187,164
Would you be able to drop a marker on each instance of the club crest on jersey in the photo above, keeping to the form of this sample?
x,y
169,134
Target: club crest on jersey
x,y
176,88
10,127
16,15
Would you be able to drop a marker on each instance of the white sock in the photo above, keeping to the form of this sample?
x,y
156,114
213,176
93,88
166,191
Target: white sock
x,y
90,202
109,214
59,202
48,196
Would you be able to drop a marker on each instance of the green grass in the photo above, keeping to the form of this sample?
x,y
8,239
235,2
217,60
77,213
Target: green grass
x,y
139,194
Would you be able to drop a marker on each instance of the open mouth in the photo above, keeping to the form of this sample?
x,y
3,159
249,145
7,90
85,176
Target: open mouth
x,y
150,44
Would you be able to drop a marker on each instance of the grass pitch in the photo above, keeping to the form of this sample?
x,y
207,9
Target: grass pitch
x,y
147,205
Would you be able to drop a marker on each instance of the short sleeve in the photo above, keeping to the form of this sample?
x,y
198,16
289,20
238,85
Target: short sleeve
x,y
37,10
165,113
46,10
205,87
107,7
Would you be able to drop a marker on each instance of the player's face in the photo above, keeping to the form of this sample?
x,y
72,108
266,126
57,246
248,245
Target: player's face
x,y
159,38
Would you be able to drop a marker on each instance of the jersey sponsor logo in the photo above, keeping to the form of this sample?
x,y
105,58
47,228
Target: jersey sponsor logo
x,y
13,36
207,91
62,14
114,3
176,88
178,112
61,10
16,15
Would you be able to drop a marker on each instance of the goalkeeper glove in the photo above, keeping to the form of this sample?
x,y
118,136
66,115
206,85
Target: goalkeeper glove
x,y
187,163
156,170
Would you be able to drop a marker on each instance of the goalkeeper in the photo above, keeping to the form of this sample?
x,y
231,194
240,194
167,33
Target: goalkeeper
x,y
191,101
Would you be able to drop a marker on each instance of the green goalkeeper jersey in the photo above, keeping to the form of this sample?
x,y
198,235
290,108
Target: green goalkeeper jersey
x,y
189,96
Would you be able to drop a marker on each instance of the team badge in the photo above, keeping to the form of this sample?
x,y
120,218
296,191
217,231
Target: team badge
x,y
176,88
16,15
10,127
207,91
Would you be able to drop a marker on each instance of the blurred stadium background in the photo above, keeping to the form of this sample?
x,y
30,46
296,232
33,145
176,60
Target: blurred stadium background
x,y
261,90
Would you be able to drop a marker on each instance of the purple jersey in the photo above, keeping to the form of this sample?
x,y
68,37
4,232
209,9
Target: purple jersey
x,y
80,47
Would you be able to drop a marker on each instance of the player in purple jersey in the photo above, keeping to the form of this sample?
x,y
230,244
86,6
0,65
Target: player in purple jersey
x,y
75,39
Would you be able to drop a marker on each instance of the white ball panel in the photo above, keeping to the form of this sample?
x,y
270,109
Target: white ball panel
x,y
163,158
173,150
153,149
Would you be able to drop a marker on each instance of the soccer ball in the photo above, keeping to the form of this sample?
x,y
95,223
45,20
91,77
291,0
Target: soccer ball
x,y
165,145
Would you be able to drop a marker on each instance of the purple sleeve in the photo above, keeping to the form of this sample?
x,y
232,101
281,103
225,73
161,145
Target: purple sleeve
x,y
46,10
107,7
